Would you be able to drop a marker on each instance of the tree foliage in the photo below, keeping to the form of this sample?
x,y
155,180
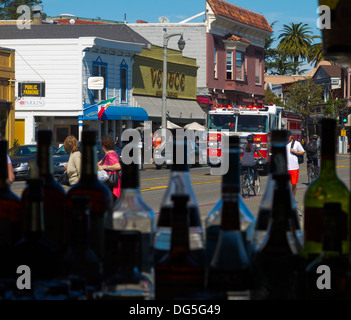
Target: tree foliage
x,y
302,98
8,8
271,97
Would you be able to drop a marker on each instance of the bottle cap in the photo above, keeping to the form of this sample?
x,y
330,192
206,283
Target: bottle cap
x,y
279,136
89,137
44,136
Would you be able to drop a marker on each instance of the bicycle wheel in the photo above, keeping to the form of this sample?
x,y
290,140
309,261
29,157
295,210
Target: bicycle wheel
x,y
245,190
257,188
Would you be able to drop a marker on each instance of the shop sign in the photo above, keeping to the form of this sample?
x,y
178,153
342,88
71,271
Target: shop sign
x,y
31,89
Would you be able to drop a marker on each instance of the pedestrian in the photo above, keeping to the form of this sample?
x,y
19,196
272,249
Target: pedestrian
x,y
293,162
110,163
110,133
73,166
11,174
312,154
249,160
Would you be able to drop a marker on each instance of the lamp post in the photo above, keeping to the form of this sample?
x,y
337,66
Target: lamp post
x,y
181,45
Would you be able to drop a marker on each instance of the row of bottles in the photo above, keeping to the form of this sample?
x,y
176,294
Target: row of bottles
x,y
79,246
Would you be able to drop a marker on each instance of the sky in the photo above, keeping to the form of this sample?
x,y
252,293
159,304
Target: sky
x,y
281,11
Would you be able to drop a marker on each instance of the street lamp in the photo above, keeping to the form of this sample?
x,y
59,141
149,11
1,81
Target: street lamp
x,y
181,45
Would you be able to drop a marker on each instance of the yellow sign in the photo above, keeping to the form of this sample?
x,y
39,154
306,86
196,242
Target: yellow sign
x,y
343,133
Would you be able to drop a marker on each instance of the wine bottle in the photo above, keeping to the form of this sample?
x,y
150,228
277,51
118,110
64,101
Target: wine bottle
x,y
130,215
81,265
10,203
10,219
34,250
54,194
229,270
278,164
326,276
276,265
179,183
213,219
99,194
179,274
328,187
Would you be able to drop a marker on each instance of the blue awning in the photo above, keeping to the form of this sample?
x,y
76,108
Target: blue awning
x,y
90,112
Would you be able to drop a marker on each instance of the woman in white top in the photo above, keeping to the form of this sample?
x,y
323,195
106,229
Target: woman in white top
x,y
73,166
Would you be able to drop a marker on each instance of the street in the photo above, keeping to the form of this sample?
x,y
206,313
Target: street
x,y
153,184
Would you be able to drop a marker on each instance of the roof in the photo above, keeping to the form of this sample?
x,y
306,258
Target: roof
x,y
334,71
233,37
116,32
236,13
278,79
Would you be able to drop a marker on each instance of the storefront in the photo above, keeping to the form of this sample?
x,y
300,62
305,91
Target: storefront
x,y
7,93
181,104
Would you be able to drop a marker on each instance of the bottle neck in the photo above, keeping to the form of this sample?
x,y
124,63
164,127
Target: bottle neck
x,y
180,229
4,178
230,217
130,176
328,148
35,218
89,161
44,160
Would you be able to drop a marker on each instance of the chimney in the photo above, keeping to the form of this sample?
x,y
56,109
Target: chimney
x,y
36,11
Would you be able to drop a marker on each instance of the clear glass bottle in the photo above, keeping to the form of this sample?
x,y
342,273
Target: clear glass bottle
x,y
229,270
179,274
179,183
278,164
333,287
82,266
328,187
276,265
99,194
130,215
213,219
54,194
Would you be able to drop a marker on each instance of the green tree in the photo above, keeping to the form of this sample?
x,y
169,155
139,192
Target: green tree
x,y
295,42
271,97
302,98
316,53
333,107
8,8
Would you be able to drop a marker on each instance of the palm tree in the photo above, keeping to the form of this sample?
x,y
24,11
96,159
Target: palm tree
x,y
316,53
296,40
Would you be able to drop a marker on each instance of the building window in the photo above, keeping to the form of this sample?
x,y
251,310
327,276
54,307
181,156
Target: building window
x,y
124,83
100,70
258,71
229,67
239,66
215,62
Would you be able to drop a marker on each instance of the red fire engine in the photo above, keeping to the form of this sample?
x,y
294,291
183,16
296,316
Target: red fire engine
x,y
245,120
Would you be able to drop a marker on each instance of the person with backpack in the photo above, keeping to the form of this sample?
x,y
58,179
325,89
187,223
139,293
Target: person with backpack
x,y
312,154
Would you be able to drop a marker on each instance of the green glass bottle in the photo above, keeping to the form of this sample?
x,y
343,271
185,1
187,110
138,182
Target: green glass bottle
x,y
326,276
327,188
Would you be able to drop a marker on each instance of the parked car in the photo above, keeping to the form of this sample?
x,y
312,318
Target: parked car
x,y
61,157
21,158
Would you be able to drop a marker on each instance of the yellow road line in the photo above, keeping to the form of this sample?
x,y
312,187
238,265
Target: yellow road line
x,y
164,187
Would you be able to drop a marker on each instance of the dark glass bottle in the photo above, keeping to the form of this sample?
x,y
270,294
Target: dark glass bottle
x,y
54,194
277,264
179,274
326,276
179,183
99,194
328,187
130,215
81,264
229,270
10,203
34,250
278,164
229,187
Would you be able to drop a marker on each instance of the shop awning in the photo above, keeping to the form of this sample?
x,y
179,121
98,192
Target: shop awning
x,y
177,110
90,112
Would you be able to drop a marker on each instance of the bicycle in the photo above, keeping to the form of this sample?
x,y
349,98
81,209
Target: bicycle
x,y
248,183
311,176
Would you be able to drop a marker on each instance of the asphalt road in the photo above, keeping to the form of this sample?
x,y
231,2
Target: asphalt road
x,y
153,184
